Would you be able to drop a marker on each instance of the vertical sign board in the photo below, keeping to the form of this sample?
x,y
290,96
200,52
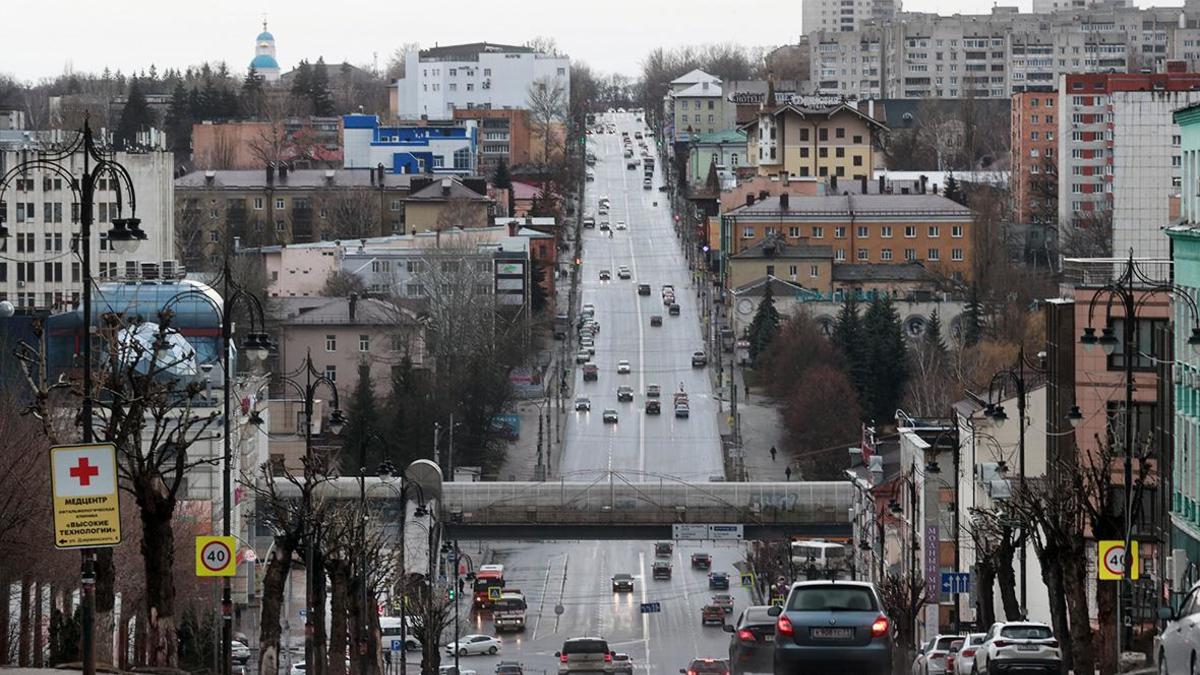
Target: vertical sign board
x,y
87,505
933,572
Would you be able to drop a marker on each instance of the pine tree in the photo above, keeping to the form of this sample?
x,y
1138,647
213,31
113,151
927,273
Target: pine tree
x,y
537,292
361,425
501,177
933,335
302,81
322,99
952,191
252,93
765,325
885,360
848,339
972,327
179,120
136,117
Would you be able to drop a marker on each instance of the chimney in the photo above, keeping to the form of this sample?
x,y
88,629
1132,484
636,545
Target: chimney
x,y
514,226
924,182
763,194
283,173
379,168
209,176
881,186
270,173
783,201
871,108
863,183
833,183
353,306
750,199
329,176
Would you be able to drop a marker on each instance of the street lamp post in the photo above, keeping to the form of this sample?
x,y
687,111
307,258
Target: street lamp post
x,y
257,347
313,381
125,236
1016,375
1128,291
389,469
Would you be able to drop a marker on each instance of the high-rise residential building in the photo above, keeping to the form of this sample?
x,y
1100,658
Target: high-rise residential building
x,y
1119,156
844,15
1047,6
37,267
919,55
477,75
1034,129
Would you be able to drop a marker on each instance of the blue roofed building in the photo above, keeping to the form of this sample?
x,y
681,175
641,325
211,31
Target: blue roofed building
x,y
446,148
264,62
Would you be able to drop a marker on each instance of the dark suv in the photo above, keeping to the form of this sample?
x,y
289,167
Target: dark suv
x,y
752,643
718,581
832,626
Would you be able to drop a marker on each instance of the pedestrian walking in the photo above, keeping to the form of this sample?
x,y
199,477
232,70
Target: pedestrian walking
x,y
772,453
788,473
746,388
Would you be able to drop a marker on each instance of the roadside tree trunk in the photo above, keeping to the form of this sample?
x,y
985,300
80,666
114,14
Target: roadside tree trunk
x,y
1106,616
1052,577
320,639
106,603
1007,578
39,643
339,577
23,627
986,599
1083,656
5,620
274,583
158,555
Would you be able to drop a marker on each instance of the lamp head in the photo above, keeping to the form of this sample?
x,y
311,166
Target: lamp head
x,y
257,347
336,421
1193,340
1108,341
126,234
1088,339
1075,417
999,416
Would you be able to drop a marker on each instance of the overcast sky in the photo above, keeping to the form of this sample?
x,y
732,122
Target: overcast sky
x,y
610,35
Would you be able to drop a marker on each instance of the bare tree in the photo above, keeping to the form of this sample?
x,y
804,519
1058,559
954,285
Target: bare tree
x,y
904,597
547,101
351,213
461,213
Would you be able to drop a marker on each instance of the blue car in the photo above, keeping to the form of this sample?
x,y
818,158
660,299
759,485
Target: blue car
x,y
832,626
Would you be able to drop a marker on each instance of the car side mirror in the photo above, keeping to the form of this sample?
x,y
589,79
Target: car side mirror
x,y
775,610
728,628
1167,613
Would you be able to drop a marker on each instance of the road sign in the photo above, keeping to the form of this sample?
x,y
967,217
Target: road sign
x,y
777,600
1112,560
559,609
397,645
214,557
956,582
726,532
747,580
651,607
494,593
689,531
87,505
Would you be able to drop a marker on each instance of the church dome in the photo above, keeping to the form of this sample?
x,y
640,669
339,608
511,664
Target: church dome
x,y
264,62
265,36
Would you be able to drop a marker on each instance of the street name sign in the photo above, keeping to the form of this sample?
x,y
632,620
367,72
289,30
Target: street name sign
x,y
651,607
214,556
87,504
689,531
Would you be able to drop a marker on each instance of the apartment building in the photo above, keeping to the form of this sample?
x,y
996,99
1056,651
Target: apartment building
x,y
888,229
306,143
1119,157
920,55
504,136
40,210
446,148
1033,176
484,75
844,15
694,105
814,139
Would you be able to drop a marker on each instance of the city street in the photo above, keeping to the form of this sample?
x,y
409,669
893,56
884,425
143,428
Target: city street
x,y
639,446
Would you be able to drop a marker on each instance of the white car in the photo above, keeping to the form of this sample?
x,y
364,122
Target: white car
x,y
583,403
623,367
240,652
1018,644
931,660
621,225
583,356
474,644
964,660
1181,636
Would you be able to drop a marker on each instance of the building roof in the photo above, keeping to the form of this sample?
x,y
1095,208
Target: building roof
x,y
264,62
810,111
472,50
300,178
701,90
914,271
446,189
696,76
336,311
857,205
779,287
525,190
777,248
721,137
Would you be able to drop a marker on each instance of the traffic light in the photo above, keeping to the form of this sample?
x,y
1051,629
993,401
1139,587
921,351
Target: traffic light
x,y
451,593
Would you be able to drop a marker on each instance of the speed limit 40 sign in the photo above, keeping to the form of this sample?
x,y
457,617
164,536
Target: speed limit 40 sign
x,y
1111,560
214,557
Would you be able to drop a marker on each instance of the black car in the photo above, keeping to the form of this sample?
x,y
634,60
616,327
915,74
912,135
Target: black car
x,y
643,289
622,583
701,561
718,580
674,309
662,570
752,643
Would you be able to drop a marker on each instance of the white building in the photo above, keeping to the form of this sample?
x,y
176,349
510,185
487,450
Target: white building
x,y
37,269
443,148
844,15
475,75
264,62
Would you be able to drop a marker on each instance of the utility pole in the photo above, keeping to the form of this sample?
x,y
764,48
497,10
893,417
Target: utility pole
x,y
437,453
450,453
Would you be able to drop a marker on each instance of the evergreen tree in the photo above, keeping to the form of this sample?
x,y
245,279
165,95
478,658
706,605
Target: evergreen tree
x,y
765,325
501,177
972,326
848,339
210,101
885,360
361,425
179,120
405,403
136,117
302,81
252,93
933,335
952,191
537,293
322,99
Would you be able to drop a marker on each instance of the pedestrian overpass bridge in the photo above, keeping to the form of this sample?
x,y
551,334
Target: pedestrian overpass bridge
x,y
612,506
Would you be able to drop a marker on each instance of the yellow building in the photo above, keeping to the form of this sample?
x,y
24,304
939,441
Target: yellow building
x,y
808,265
823,140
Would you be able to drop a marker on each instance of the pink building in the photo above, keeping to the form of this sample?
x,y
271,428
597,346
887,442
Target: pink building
x,y
299,271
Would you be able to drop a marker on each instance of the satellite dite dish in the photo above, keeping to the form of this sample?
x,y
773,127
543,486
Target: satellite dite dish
x,y
428,475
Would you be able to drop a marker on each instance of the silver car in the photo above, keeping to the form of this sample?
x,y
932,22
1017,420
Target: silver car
x,y
584,655
1181,638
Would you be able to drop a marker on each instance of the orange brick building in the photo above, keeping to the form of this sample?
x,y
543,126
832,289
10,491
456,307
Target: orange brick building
x,y
1034,127
503,134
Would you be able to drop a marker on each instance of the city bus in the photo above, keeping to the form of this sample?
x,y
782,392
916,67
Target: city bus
x,y
487,578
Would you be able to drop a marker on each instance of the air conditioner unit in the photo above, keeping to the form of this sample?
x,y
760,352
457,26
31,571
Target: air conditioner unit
x,y
20,284
1000,489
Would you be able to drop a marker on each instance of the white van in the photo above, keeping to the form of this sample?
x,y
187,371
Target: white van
x,y
820,554
389,628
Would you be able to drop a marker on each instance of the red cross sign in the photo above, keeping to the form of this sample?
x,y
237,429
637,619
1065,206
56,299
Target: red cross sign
x,y
84,471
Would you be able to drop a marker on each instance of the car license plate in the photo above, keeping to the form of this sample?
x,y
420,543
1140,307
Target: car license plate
x,y
1027,648
832,633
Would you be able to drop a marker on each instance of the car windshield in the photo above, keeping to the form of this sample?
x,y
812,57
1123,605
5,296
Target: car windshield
x,y
832,599
623,577
1026,632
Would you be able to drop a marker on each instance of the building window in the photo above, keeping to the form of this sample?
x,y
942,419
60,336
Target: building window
x,y
858,160
814,271
214,236
331,373
933,254
956,231
793,232
839,132
331,343
910,231
279,204
886,231
258,203
839,152
934,231
861,231
770,270
885,254
1144,330
364,343
910,254
823,134
823,152
818,232
956,254
863,254
748,233
280,226
840,255
839,232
